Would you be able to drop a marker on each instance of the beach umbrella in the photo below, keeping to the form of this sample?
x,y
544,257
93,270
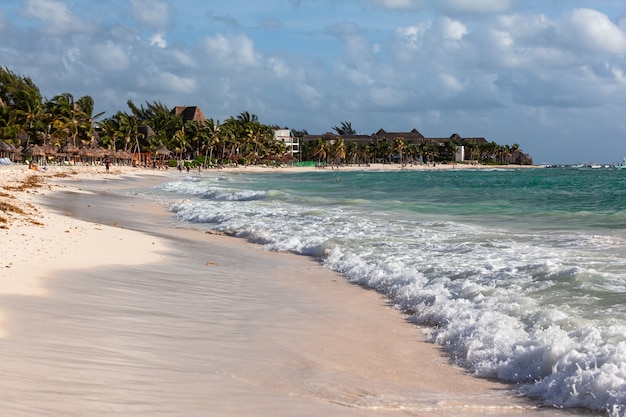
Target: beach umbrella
x,y
163,151
87,152
49,150
35,150
123,155
6,149
69,149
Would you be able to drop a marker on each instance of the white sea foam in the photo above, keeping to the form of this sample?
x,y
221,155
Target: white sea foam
x,y
504,305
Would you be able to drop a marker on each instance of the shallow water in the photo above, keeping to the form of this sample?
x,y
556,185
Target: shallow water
x,y
221,329
520,273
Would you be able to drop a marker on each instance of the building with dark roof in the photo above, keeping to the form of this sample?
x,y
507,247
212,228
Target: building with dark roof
x,y
193,113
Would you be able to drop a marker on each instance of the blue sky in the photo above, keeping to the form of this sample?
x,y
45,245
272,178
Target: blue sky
x,y
549,75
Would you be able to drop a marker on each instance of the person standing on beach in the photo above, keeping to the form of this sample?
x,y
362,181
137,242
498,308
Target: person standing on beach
x,y
107,164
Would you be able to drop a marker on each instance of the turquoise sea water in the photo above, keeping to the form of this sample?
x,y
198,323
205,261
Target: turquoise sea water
x,y
521,274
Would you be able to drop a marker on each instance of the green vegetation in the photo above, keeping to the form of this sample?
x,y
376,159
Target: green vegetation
x,y
155,134
153,131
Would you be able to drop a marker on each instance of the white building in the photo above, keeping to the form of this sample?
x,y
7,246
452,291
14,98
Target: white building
x,y
459,154
292,142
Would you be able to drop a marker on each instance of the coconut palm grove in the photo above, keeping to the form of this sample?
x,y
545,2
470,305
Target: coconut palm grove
x,y
66,130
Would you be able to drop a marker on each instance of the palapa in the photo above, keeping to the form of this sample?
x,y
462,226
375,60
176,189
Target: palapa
x,y
69,149
5,147
35,150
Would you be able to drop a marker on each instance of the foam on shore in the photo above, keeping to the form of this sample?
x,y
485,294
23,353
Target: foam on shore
x,y
111,311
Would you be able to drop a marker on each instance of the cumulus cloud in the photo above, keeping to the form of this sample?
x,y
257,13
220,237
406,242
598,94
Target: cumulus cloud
x,y
168,82
234,52
397,4
594,31
158,39
358,48
452,31
57,16
451,83
389,62
410,39
108,56
308,95
279,68
152,14
474,6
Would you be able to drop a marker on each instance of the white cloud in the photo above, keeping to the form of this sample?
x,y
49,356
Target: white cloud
x,y
355,75
236,52
452,30
387,97
594,31
166,81
412,36
279,68
526,41
309,95
397,4
451,84
109,56
158,39
357,46
474,6
56,14
184,58
152,14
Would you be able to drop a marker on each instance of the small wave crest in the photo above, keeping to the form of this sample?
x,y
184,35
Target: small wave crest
x,y
505,305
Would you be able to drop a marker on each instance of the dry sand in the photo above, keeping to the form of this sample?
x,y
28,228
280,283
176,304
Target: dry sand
x,y
110,311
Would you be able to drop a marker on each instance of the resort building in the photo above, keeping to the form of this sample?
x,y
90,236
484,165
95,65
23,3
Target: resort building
x,y
188,113
460,152
291,142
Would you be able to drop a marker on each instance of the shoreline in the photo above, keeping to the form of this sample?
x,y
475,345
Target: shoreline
x,y
335,335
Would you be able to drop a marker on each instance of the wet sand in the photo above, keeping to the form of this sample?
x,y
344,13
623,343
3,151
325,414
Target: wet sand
x,y
211,325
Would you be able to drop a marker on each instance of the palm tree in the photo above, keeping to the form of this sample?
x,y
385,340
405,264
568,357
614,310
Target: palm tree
x,y
337,150
429,150
86,106
413,151
128,131
352,152
9,125
74,119
382,149
159,117
108,133
344,129
31,114
179,141
398,146
471,149
245,117
366,153
210,139
320,149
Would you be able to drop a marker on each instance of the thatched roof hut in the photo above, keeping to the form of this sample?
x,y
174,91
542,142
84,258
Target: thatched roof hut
x,y
50,150
122,157
35,150
189,113
69,149
5,147
163,151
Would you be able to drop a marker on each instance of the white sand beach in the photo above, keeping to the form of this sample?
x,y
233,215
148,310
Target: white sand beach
x,y
108,310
